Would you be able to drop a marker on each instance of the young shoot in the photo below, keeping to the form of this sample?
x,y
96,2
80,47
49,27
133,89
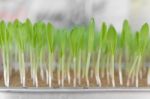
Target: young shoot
x,y
90,44
5,41
102,40
51,47
111,45
21,44
75,37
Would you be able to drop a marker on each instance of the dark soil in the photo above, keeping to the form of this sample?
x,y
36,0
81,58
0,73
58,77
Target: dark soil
x,y
15,80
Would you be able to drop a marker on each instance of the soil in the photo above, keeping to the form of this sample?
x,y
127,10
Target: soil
x,y
15,80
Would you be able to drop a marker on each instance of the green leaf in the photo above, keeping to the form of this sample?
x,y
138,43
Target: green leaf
x,y
144,37
91,34
76,39
125,34
50,36
144,33
103,35
112,39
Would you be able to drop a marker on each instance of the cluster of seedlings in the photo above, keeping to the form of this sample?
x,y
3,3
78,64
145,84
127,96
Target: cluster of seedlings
x,y
83,52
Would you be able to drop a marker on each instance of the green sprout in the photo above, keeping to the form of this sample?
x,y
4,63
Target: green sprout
x,y
76,54
51,47
101,40
111,45
20,38
123,47
75,39
141,44
5,41
90,43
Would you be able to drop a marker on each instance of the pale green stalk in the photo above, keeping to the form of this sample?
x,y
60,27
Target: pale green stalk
x,y
79,68
112,70
87,68
58,73
50,68
62,68
137,71
132,70
31,63
107,70
7,69
5,66
120,69
68,69
103,67
74,68
98,80
84,65
41,65
22,67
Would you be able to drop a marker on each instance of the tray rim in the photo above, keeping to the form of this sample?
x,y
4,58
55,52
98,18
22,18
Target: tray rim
x,y
72,90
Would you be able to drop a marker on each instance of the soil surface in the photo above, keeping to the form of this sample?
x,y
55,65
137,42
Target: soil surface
x,y
15,80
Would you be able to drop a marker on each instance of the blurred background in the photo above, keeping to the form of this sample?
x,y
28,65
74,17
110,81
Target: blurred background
x,y
66,13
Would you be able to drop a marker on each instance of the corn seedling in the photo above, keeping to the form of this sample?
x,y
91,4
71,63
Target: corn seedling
x,y
81,56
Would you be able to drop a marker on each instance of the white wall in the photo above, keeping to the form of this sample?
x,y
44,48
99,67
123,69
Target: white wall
x,y
65,13
114,12
102,10
139,13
